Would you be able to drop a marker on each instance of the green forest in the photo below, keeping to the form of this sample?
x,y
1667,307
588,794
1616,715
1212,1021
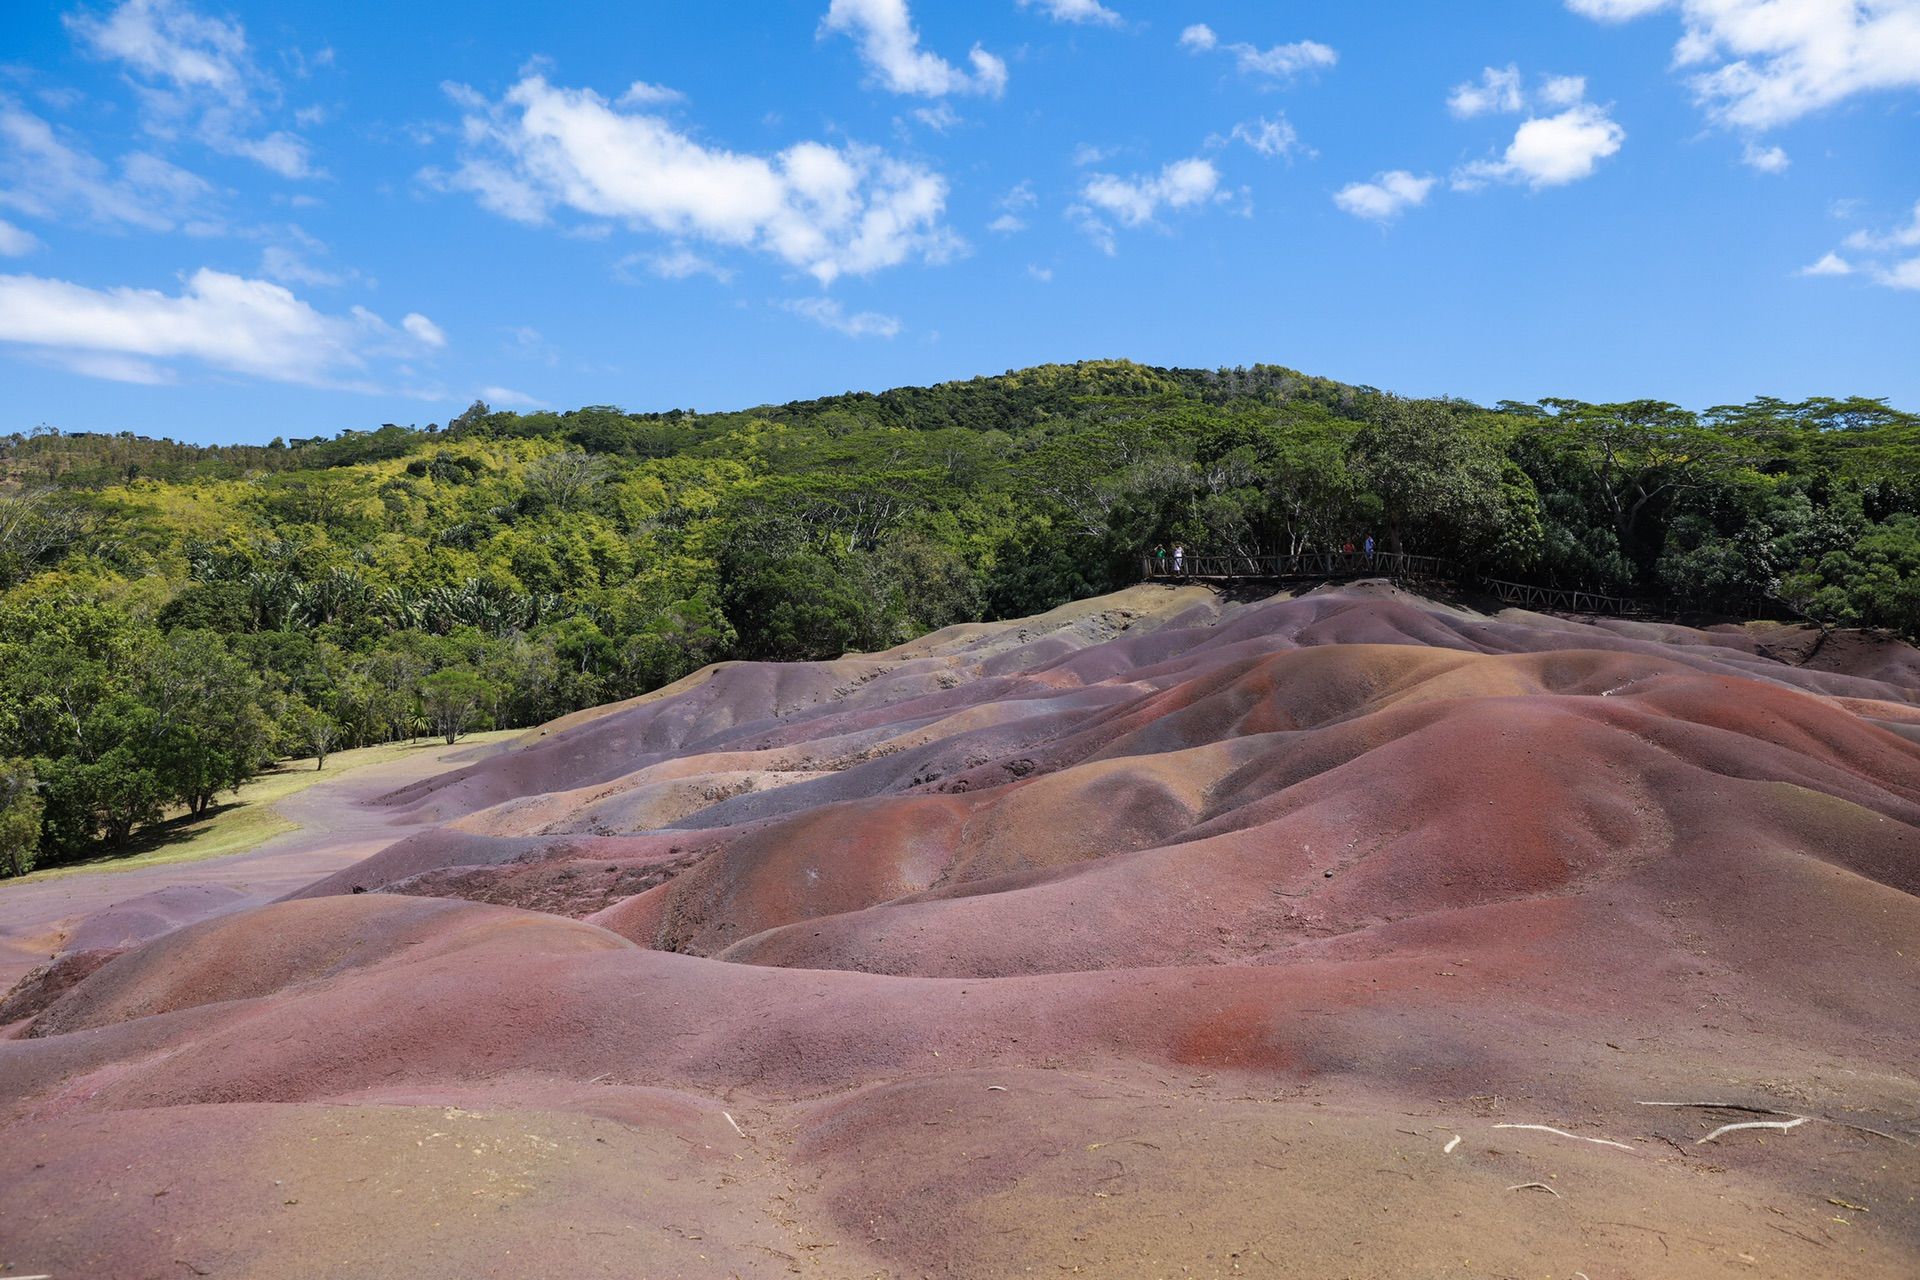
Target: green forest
x,y
175,618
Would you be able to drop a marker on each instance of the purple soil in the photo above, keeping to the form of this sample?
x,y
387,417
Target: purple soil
x,y
1156,936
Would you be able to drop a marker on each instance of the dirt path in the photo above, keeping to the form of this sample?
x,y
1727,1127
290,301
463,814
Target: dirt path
x,y
334,829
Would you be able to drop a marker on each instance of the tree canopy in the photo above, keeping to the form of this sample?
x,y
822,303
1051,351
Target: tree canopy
x,y
174,617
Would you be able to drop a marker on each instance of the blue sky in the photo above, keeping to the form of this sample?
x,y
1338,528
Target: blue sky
x,y
228,222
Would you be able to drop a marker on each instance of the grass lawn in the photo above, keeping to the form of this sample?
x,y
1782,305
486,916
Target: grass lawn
x,y
247,818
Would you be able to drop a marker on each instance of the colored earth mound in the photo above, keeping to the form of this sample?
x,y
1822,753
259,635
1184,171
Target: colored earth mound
x,y
1346,934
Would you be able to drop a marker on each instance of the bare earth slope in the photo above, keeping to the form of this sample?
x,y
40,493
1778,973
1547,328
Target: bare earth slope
x,y
1342,935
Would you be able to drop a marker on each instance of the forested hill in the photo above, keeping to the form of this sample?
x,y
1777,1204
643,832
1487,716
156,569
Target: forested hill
x,y
175,616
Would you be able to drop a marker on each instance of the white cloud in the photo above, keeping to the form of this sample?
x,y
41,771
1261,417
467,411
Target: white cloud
x,y
1281,62
1901,275
1765,159
49,178
1094,228
1082,11
1904,237
1769,62
1086,153
680,263
196,70
1199,37
1134,201
1563,91
829,314
1549,151
830,211
1498,90
890,46
167,41
1615,10
15,242
941,117
1043,274
289,265
1270,138
281,152
1882,256
108,368
1012,205
509,398
1386,197
642,94
424,330
228,322
1503,90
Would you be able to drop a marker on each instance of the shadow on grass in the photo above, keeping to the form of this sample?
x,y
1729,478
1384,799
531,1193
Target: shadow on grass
x,y
154,838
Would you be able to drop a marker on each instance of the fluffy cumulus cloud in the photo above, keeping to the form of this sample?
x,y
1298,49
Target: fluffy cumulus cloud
x,y
1562,91
829,314
1503,90
1271,138
1765,159
1498,89
195,74
1179,185
1757,64
889,44
1386,197
46,174
1136,201
827,210
226,322
1278,62
1550,151
1080,11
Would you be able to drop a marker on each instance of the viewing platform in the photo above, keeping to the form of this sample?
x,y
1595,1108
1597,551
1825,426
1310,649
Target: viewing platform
x,y
1396,566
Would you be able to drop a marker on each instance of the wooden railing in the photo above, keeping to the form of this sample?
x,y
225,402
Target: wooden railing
x,y
1216,566
1394,565
1528,596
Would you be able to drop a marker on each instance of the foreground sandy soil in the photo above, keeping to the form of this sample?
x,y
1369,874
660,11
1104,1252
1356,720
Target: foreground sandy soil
x,y
1346,935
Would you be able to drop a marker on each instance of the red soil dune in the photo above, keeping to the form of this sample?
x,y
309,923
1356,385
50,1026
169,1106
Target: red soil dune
x,y
1160,935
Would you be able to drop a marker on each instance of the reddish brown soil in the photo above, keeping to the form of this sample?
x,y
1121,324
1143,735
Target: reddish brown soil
x,y
1158,936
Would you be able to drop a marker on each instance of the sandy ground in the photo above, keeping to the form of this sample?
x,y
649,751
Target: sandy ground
x,y
1351,934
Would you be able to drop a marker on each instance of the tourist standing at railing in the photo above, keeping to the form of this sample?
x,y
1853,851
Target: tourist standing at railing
x,y
1179,559
1160,560
1369,546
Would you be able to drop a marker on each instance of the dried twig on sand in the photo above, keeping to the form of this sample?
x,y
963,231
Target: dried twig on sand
x,y
1448,1149
1782,1125
1547,1128
1748,1109
1535,1186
